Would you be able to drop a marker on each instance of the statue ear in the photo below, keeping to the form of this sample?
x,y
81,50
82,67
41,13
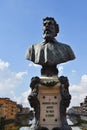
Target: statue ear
x,y
57,28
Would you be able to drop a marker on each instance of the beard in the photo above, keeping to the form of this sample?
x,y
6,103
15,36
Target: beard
x,y
47,34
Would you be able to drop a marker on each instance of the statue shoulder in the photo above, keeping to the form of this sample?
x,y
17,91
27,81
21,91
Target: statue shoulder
x,y
62,44
30,54
66,48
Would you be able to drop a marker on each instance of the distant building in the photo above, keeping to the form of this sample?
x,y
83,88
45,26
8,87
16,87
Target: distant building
x,y
82,109
8,108
77,109
74,110
78,114
1,111
84,106
25,110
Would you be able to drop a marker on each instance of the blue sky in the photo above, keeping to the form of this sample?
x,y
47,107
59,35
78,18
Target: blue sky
x,y
21,26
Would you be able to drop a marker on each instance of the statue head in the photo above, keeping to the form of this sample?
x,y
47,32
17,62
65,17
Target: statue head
x,y
50,28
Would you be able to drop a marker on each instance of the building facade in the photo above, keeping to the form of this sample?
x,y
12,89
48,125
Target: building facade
x,y
8,108
84,106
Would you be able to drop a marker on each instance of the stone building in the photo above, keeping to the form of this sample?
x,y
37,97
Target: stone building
x,y
8,108
84,106
82,109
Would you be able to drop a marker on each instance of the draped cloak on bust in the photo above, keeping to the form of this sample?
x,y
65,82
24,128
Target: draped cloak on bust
x,y
51,53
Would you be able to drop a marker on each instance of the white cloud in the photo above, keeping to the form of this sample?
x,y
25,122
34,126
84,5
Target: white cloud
x,y
79,92
9,80
73,71
20,75
3,65
22,99
84,80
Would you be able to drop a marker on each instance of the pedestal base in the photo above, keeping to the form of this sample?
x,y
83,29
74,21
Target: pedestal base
x,y
50,98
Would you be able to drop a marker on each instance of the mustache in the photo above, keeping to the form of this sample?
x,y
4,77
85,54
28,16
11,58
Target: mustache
x,y
47,30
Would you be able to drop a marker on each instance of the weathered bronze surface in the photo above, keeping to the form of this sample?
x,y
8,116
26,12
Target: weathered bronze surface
x,y
50,52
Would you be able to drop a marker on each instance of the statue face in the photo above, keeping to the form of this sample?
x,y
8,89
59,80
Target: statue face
x,y
49,31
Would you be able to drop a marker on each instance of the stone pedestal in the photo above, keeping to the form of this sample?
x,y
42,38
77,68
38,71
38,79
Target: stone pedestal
x,y
50,97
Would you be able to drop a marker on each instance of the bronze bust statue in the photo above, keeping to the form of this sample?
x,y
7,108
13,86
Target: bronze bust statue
x,y
50,52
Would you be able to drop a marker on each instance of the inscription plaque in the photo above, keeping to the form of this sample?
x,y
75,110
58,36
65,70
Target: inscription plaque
x,y
49,106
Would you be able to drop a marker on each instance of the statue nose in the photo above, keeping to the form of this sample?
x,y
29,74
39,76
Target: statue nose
x,y
47,24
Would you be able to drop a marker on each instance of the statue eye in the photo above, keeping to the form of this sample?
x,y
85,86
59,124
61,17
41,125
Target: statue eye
x,y
44,24
49,23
